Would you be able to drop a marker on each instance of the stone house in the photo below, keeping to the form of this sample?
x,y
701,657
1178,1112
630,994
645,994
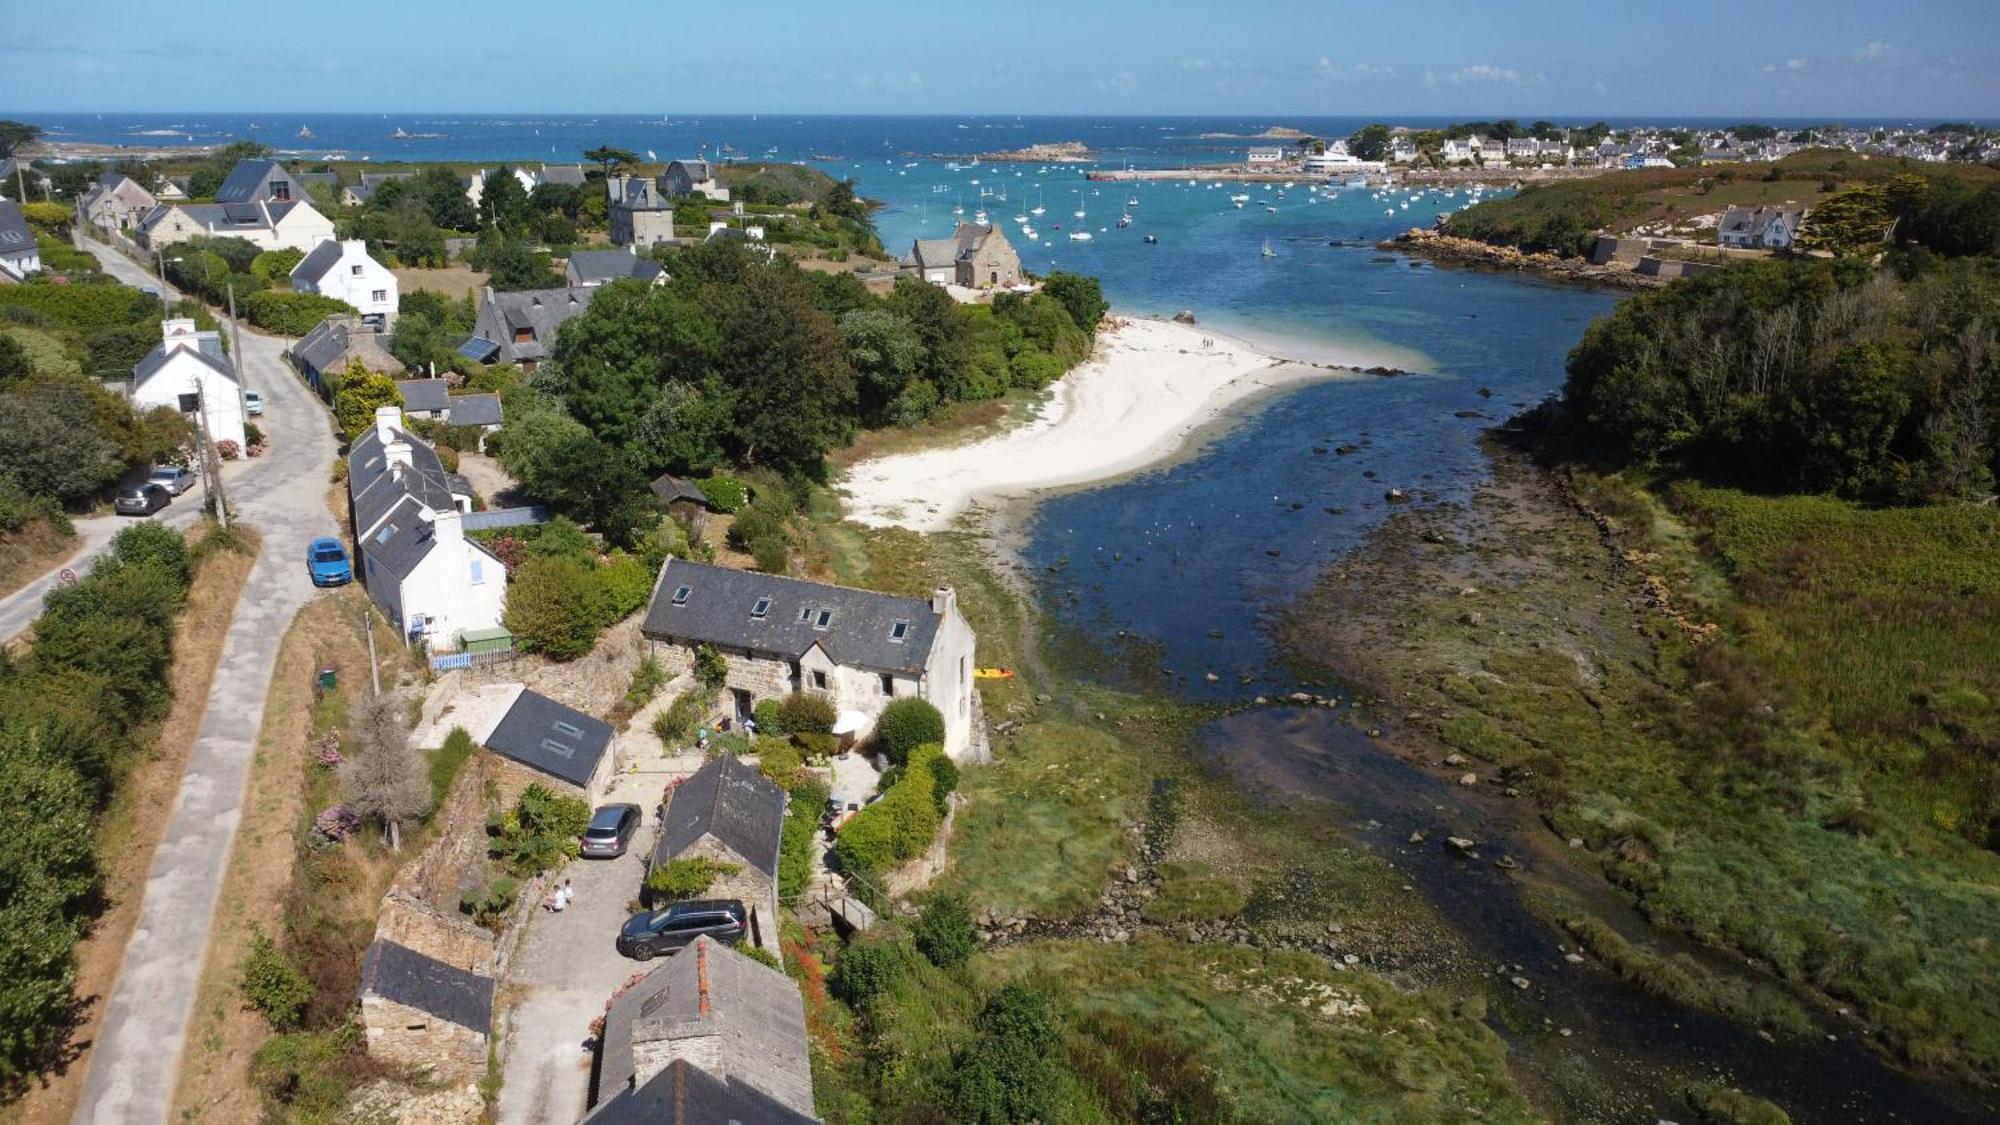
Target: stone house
x,y
421,1014
334,342
537,741
709,1017
975,256
520,328
264,224
731,813
1766,228
640,213
116,202
857,648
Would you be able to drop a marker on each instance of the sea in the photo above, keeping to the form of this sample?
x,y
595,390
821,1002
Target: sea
x,y
1185,562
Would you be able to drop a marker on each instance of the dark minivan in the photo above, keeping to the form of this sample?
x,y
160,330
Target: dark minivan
x,y
650,933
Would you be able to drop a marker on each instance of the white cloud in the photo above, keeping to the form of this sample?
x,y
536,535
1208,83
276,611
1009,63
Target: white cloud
x,y
1486,72
1123,84
890,81
1327,68
1875,49
1789,66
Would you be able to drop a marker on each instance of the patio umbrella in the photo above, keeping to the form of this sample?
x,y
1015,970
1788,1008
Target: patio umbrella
x,y
849,722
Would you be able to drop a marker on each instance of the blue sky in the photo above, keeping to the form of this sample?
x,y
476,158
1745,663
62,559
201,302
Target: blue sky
x,y
1827,58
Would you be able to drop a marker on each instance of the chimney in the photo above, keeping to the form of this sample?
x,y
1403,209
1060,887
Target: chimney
x,y
397,454
388,419
944,601
177,333
615,184
449,528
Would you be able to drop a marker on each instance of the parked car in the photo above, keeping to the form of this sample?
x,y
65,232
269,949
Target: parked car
x,y
173,478
141,499
650,933
253,403
611,830
326,561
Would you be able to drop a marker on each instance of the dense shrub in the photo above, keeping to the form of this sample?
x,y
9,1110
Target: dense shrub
x,y
769,715
895,828
944,932
866,969
728,494
488,902
1007,1073
906,724
805,713
540,831
272,984
288,313
687,877
800,840
551,607
675,726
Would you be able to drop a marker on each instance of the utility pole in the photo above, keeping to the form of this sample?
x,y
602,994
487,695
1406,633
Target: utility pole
x,y
236,346
374,671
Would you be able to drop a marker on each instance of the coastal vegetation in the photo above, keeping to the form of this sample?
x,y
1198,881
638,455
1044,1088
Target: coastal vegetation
x,y
1957,204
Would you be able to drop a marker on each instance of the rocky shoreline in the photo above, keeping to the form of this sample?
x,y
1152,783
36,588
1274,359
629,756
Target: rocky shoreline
x,y
1053,152
1473,253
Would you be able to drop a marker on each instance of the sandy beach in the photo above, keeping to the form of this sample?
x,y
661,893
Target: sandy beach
x,y
1151,385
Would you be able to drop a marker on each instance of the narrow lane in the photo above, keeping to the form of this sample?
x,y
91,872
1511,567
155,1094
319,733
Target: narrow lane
x,y
135,1057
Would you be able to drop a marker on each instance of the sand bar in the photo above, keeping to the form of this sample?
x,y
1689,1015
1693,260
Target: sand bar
x,y
1150,386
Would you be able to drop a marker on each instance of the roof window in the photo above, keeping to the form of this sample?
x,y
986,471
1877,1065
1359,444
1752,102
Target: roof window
x,y
762,607
824,619
898,631
565,728
681,595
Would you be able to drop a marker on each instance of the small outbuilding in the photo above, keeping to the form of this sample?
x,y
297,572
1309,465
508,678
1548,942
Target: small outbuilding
x,y
419,1013
544,742
731,813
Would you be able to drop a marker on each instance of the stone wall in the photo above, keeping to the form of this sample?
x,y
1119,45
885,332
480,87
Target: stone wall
x,y
758,891
414,1040
451,937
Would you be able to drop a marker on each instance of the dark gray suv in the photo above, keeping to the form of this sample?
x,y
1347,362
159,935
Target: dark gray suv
x,y
610,833
650,933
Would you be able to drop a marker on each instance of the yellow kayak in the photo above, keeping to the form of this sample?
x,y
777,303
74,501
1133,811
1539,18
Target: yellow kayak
x,y
992,673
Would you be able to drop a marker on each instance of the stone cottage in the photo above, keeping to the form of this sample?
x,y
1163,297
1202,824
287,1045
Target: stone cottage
x,y
779,636
731,813
714,1024
421,1014
975,256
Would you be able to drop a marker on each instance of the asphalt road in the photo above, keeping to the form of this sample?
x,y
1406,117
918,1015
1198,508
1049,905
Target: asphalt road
x,y
135,1057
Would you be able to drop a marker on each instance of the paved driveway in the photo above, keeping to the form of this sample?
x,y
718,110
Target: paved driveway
x,y
135,1057
567,968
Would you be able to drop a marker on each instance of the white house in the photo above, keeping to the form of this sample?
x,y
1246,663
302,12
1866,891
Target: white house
x,y
780,636
1767,228
1265,157
265,224
345,272
20,254
431,582
190,363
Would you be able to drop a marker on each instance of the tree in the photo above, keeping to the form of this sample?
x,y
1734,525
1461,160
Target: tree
x,y
361,393
16,135
885,354
784,364
1852,223
1007,1073
512,265
611,159
443,196
540,831
14,365
47,868
383,778
1082,296
503,202
52,444
905,724
710,670
549,607
1370,142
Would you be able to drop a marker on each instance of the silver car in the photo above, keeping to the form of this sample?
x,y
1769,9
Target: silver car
x,y
173,478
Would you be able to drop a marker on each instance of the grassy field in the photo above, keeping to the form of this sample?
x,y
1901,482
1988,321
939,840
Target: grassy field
x,y
1768,718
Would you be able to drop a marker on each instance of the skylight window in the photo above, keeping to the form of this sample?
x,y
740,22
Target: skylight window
x,y
570,729
762,607
805,614
681,595
383,535
898,631
824,619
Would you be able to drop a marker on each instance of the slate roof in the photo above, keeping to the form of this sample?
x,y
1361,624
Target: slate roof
x,y
224,216
375,490
250,181
685,1094
717,610
403,540
400,974
711,990
595,267
332,340
542,310
542,734
570,175
324,257
207,349
732,802
671,488
16,240
424,394
475,410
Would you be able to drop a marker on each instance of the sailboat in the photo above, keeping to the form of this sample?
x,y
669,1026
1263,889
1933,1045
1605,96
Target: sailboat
x,y
1124,220
1268,252
1080,234
1037,209
305,131
399,135
979,217
1079,205
1132,202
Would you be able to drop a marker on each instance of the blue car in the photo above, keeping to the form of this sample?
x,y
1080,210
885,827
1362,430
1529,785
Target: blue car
x,y
327,561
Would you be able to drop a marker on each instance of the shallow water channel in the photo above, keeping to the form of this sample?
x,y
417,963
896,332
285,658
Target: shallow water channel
x,y
1639,1049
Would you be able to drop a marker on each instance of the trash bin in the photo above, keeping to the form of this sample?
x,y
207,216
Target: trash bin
x,y
327,678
